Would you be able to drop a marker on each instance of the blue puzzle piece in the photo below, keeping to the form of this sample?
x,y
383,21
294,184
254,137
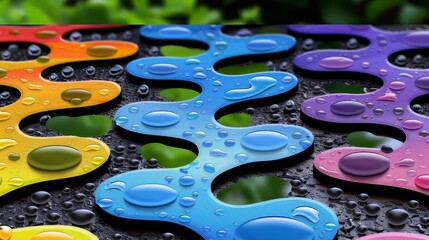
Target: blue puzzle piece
x,y
183,195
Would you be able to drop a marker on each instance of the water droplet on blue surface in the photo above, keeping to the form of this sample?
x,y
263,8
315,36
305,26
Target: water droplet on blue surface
x,y
262,45
200,75
222,133
264,141
175,31
162,68
207,143
257,85
241,157
307,212
150,195
185,218
216,152
187,201
160,119
209,167
119,185
121,120
187,180
105,202
192,115
229,142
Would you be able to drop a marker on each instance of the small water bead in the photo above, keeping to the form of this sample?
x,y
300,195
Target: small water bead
x,y
221,233
76,37
222,133
216,152
417,58
79,197
361,229
264,141
351,205
6,55
397,217
81,217
336,62
160,118
413,204
31,211
229,142
334,193
422,181
67,72
40,197
386,149
96,36
5,95
262,45
19,219
363,197
186,180
274,108
90,70
34,50
241,157
209,167
302,191
405,162
14,156
116,70
187,201
200,134
162,69
185,218
101,51
422,82
192,115
378,111
152,162
167,236
308,44
53,217
400,60
352,43
412,124
112,36
67,205
372,209
207,143
398,111
53,77
423,133
13,47
143,90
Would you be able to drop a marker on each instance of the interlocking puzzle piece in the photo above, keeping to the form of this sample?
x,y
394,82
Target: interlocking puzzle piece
x,y
394,236
406,166
25,160
183,195
46,232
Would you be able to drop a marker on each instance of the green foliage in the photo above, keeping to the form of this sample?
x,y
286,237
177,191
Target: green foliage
x,y
243,69
254,190
180,51
369,140
167,156
82,126
178,94
236,120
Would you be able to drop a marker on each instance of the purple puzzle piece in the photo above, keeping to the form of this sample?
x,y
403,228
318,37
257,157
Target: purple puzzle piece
x,y
407,166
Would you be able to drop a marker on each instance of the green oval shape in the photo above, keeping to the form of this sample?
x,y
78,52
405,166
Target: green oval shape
x,y
178,94
54,158
243,69
167,156
236,120
254,189
369,140
82,126
76,95
180,51
343,88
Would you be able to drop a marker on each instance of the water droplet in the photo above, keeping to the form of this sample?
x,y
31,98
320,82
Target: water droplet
x,y
48,158
40,197
207,143
336,62
118,185
34,50
406,162
116,70
16,182
81,217
67,72
241,157
28,101
397,217
330,227
32,86
150,195
412,124
121,120
187,180
221,233
5,143
185,218
258,85
76,96
52,235
262,45
347,108
104,91
372,209
160,118
14,156
200,75
5,116
398,111
209,167
43,59
419,39
364,164
192,115
264,141
216,152
334,193
307,212
45,34
101,51
422,181
162,69
175,31
257,229
229,142
187,201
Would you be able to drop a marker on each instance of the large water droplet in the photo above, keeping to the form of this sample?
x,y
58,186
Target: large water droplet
x,y
40,197
187,201
307,212
264,141
102,51
364,164
406,162
76,96
422,82
336,62
186,180
81,217
162,69
160,118
52,235
54,158
257,86
175,31
397,217
150,195
419,39
422,181
5,143
397,85
412,124
278,228
347,108
262,45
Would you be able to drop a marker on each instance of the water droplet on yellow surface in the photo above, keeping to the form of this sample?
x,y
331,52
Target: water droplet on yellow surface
x,y
35,86
2,166
4,143
3,72
5,231
76,96
102,51
92,147
9,129
43,59
29,70
97,160
28,101
16,182
46,102
51,236
5,116
104,91
23,80
14,156
86,167
45,34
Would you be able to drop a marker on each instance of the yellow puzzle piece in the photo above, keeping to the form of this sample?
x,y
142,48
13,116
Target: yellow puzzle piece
x,y
46,232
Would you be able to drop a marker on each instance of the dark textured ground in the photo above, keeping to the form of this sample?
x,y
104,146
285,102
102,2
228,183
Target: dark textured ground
x,y
16,208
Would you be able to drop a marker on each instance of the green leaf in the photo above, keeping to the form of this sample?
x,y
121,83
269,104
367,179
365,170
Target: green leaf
x,y
412,14
35,15
142,6
4,6
178,94
82,126
376,8
243,69
254,189
369,140
167,156
202,15
236,120
180,51
251,15
96,12
343,88
333,11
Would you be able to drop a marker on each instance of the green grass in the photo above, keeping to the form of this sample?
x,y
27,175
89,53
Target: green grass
x,y
167,156
82,126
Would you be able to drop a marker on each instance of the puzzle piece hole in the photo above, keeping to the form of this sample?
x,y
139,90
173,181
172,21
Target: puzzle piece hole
x,y
22,51
125,33
413,59
309,42
82,126
8,95
248,30
420,105
369,140
166,156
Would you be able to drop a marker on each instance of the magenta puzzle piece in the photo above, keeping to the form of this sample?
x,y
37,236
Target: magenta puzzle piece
x,y
407,166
